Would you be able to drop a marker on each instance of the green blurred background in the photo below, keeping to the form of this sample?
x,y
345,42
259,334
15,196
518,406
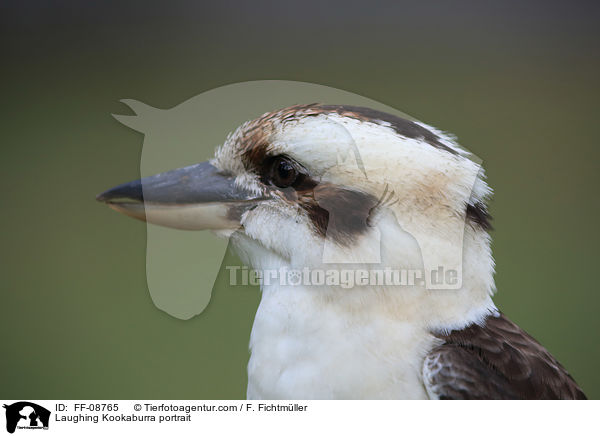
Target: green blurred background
x,y
516,81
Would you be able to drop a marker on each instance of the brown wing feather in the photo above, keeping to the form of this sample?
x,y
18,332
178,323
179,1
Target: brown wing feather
x,y
496,361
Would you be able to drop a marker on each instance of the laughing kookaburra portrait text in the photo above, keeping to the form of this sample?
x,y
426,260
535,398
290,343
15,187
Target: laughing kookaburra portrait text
x,y
321,189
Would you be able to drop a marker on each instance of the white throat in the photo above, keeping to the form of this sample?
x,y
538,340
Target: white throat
x,y
326,342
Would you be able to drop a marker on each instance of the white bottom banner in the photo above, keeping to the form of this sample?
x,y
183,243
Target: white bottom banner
x,y
299,417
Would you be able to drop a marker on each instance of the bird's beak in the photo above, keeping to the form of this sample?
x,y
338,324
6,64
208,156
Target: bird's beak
x,y
198,197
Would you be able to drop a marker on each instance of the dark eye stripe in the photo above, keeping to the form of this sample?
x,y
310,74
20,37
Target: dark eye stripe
x,y
337,212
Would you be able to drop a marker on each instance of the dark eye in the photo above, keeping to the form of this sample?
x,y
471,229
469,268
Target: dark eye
x,y
283,173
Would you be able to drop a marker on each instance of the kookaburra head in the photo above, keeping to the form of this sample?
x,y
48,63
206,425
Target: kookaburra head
x,y
337,187
326,186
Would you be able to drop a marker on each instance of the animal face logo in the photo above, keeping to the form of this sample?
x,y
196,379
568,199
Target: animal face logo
x,y
26,415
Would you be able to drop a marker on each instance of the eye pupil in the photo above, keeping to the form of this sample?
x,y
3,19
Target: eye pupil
x,y
284,173
285,169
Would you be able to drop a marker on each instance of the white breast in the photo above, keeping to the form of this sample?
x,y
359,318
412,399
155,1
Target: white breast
x,y
305,347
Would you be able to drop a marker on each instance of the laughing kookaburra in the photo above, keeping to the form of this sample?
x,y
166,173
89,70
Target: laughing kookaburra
x,y
324,187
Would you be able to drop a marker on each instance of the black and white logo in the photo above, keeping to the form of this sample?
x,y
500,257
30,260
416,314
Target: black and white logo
x,y
26,415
